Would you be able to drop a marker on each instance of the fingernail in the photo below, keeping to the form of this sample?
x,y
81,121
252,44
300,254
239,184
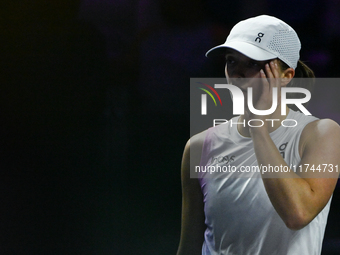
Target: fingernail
x,y
261,71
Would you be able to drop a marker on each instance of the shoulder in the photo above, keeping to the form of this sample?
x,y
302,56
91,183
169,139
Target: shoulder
x,y
321,133
221,131
322,128
194,146
197,140
192,157
193,152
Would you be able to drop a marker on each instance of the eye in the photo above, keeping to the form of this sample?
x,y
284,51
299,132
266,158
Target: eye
x,y
253,64
230,60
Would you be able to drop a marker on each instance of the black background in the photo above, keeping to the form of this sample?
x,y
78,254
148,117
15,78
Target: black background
x,y
90,158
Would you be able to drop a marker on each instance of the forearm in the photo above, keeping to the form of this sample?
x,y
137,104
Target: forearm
x,y
192,230
292,196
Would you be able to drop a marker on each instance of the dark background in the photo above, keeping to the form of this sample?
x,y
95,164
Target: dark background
x,y
94,115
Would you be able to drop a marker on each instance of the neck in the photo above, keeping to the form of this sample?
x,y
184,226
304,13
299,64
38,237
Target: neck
x,y
270,122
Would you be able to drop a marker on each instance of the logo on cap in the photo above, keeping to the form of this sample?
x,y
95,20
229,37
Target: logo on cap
x,y
259,36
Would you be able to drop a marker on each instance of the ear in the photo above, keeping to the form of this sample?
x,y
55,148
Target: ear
x,y
287,75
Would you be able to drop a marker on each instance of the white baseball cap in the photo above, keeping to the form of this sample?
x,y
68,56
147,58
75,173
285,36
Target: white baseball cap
x,y
262,38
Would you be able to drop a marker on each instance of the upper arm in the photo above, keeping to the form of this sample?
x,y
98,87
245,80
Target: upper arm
x,y
320,148
193,226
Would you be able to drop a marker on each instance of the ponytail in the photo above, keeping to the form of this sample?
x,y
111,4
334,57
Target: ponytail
x,y
303,71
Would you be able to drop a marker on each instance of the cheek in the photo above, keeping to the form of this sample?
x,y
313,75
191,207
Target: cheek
x,y
257,90
253,73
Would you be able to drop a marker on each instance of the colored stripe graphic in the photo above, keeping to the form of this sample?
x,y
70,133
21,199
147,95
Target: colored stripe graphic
x,y
213,90
209,95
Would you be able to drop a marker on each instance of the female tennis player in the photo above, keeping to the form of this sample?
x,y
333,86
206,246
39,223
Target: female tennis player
x,y
282,211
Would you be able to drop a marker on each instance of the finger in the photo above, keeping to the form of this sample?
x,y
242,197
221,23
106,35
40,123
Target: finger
x,y
274,73
263,76
278,80
270,75
269,70
265,82
275,78
270,80
275,68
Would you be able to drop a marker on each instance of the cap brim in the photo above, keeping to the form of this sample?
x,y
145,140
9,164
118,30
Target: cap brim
x,y
247,49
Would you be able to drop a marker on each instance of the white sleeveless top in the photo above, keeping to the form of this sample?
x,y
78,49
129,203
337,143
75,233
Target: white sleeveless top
x,y
239,216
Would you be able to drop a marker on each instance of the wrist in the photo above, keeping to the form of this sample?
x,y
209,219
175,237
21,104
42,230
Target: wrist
x,y
256,130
